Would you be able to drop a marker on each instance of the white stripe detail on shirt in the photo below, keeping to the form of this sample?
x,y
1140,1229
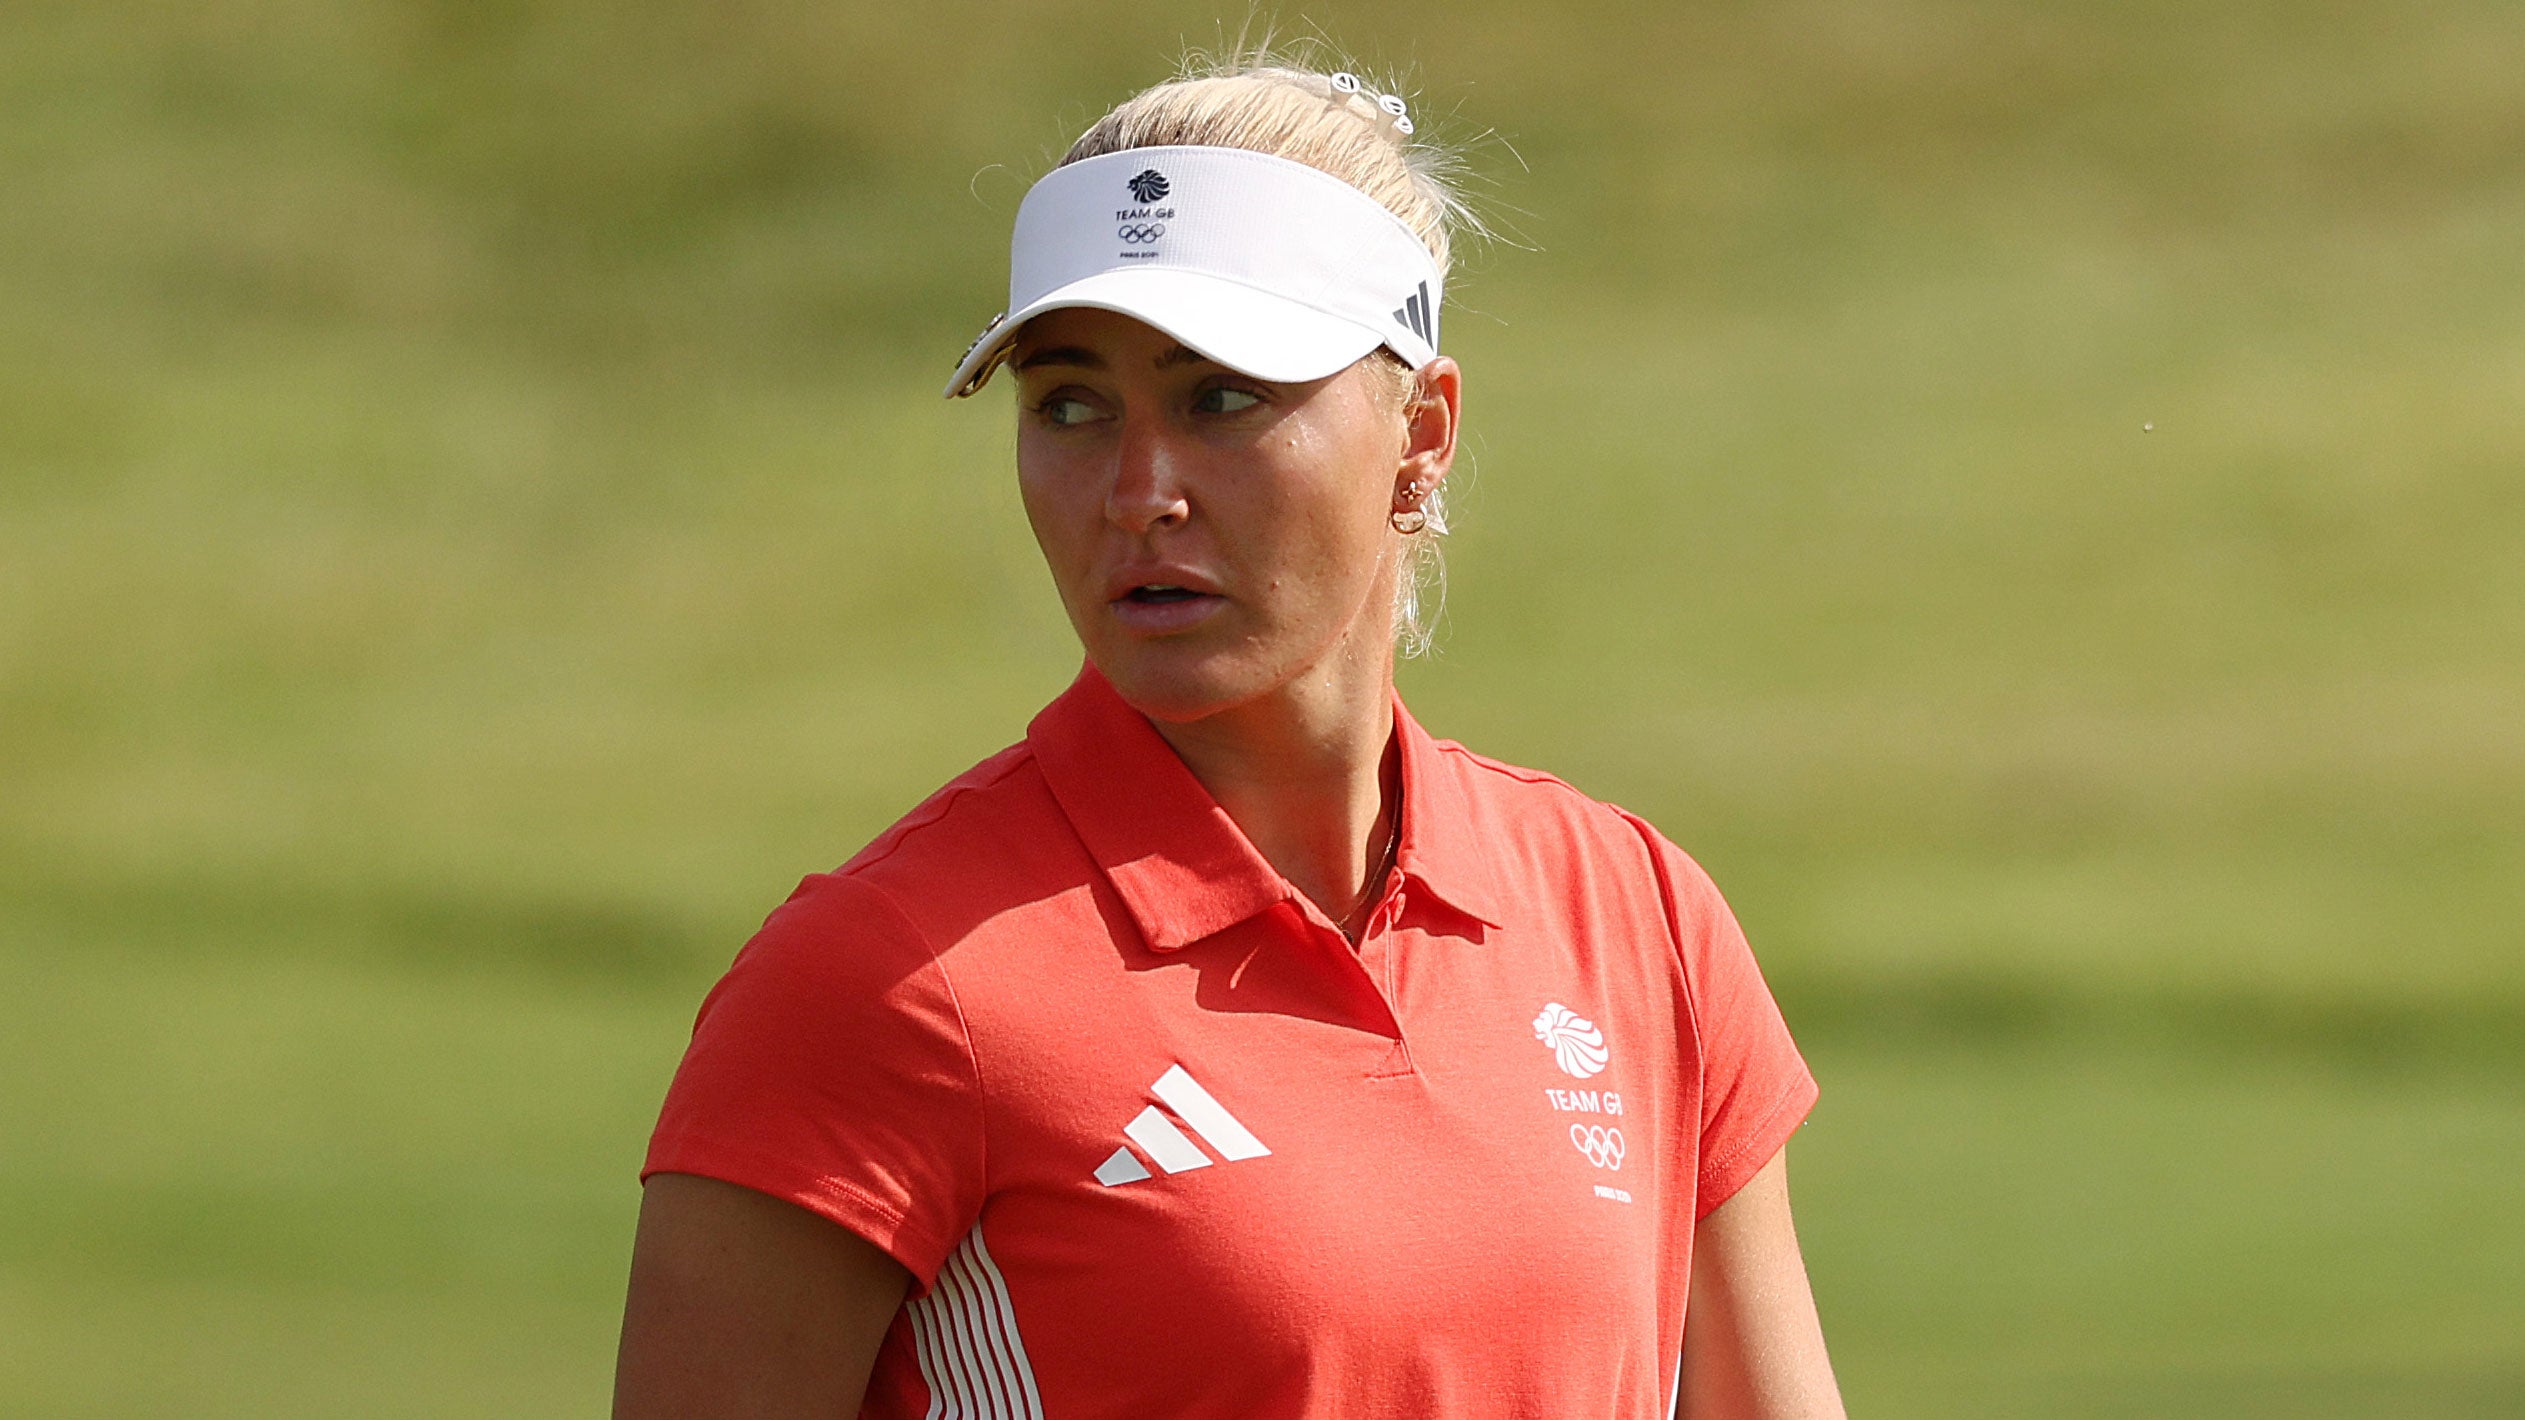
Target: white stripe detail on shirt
x,y
964,1334
1122,1167
1162,1141
1209,1118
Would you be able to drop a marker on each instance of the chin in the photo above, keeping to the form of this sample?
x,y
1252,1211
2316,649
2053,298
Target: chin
x,y
1178,685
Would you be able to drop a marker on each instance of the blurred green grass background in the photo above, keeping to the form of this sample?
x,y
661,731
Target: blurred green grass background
x,y
476,525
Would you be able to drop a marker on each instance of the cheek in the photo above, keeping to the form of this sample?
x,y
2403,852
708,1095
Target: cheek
x,y
1349,485
1067,554
1053,500
1326,517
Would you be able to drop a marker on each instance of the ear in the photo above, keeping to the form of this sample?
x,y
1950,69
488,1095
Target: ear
x,y
1431,414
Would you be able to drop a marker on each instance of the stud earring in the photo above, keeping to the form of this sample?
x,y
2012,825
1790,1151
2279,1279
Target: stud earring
x,y
1411,517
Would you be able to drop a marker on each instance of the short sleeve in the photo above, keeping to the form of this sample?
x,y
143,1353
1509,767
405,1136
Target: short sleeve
x,y
830,1067
1755,1087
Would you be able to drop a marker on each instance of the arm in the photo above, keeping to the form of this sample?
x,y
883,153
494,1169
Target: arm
x,y
742,1305
1752,1347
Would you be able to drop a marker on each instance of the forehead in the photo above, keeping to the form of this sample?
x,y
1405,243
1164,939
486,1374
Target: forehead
x,y
1098,339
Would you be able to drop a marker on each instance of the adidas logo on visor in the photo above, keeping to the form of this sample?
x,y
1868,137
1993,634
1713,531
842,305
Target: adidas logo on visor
x,y
1167,1146
1413,314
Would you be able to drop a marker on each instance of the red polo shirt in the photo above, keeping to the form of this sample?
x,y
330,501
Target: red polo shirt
x,y
1155,1140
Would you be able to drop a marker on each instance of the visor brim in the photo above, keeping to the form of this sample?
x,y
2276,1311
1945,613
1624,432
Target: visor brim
x,y
1249,330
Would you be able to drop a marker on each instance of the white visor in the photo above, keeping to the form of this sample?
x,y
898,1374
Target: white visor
x,y
1270,267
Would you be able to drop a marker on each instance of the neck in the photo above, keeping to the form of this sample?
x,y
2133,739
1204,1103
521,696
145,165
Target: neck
x,y
1311,773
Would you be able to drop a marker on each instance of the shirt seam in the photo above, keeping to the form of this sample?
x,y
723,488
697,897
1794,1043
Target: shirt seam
x,y
732,1160
1649,839
1754,1130
1509,771
1543,779
936,809
732,1152
964,1028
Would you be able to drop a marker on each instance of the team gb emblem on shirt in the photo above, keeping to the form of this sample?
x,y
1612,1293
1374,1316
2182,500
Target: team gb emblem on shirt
x,y
1577,1046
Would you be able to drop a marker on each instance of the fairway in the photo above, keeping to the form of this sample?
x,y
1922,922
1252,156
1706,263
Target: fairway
x,y
2029,495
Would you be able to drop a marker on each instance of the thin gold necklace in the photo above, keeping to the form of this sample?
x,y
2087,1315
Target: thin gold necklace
x,y
1376,880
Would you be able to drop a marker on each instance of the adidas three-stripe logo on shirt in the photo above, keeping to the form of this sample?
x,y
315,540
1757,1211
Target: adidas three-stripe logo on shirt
x,y
1166,1146
964,1330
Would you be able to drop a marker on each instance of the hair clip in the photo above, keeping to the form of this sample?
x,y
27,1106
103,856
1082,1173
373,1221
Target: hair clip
x,y
1346,83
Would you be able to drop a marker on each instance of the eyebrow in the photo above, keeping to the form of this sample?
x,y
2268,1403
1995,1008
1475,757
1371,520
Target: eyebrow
x,y
1086,359
1063,355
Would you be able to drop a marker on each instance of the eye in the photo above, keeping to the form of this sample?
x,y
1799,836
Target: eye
x,y
1065,410
1224,399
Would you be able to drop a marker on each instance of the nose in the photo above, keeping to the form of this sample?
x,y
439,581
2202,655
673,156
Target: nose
x,y
1147,491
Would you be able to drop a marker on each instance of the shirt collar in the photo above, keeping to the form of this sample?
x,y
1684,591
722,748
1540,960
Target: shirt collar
x,y
1181,866
1442,849
1179,863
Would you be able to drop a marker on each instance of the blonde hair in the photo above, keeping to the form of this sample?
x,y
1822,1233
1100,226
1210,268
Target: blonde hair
x,y
1278,105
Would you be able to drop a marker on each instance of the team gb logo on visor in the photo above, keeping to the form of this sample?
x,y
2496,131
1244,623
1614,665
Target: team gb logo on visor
x,y
1577,1046
1149,186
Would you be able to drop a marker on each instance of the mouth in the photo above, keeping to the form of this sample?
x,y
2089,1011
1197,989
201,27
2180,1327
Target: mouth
x,y
1163,608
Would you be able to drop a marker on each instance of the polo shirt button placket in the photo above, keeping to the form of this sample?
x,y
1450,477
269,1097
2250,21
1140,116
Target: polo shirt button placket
x,y
1374,953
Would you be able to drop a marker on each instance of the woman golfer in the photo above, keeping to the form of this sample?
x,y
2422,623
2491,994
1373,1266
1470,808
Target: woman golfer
x,y
1229,1046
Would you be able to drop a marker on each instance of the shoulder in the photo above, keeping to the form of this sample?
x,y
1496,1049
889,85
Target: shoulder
x,y
1004,796
881,933
1530,804
990,841
1543,823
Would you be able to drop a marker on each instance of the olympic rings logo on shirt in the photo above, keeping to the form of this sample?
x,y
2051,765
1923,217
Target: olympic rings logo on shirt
x,y
1142,233
1602,1146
